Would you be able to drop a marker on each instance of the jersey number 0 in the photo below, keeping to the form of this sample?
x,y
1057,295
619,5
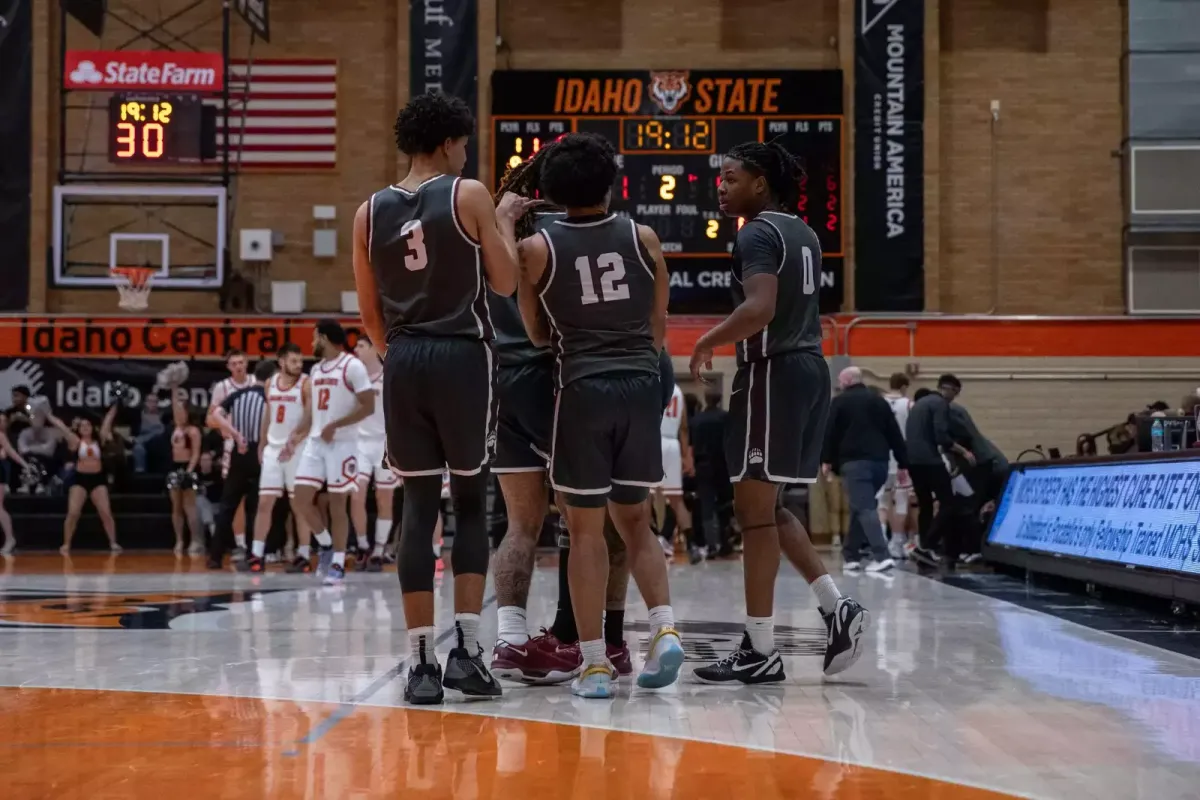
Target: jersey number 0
x,y
613,267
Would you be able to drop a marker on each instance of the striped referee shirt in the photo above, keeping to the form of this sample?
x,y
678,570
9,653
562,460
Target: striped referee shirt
x,y
245,408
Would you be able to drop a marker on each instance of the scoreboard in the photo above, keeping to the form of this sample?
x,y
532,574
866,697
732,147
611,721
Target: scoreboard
x,y
671,129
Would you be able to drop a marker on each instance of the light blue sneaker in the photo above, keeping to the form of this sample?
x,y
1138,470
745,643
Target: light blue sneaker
x,y
664,661
334,576
324,562
596,682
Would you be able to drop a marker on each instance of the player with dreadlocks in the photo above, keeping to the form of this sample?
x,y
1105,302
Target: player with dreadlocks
x,y
778,406
525,389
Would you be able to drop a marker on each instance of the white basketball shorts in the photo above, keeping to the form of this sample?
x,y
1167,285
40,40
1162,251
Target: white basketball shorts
x,y
672,459
332,464
370,464
279,476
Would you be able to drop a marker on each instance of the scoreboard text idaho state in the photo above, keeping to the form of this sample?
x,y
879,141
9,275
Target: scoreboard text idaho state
x,y
670,129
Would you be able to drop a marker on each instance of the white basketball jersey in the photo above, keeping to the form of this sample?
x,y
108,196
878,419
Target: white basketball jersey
x,y
334,386
900,406
673,416
286,409
223,388
371,428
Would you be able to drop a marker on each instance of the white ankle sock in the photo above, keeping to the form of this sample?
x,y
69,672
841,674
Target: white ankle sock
x,y
304,551
383,529
827,593
364,544
468,628
323,538
240,540
339,558
593,652
513,627
258,548
661,617
421,639
761,631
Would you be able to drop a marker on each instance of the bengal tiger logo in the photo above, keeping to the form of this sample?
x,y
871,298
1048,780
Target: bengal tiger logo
x,y
670,90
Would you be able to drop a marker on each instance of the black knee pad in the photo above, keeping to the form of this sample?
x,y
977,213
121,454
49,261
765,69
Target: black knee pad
x,y
471,547
415,562
625,495
584,500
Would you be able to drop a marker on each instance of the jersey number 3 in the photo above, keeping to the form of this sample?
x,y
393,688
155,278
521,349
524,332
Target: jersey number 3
x,y
416,259
614,270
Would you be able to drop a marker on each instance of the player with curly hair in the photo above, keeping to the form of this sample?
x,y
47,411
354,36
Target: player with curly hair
x,y
594,285
425,252
778,406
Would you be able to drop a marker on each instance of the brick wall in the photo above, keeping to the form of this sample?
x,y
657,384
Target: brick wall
x,y
1053,64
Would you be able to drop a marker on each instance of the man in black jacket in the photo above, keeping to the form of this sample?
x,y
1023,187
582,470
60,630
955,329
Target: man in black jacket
x,y
861,434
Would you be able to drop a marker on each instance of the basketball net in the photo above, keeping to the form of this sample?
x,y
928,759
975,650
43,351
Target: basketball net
x,y
133,285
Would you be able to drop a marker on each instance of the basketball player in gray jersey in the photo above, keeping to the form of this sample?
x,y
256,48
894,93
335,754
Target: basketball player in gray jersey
x,y
595,285
425,251
778,406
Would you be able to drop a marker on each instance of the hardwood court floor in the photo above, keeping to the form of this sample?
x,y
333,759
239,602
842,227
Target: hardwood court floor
x,y
128,678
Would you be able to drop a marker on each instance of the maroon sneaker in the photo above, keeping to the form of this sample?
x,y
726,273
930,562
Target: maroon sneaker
x,y
541,661
619,656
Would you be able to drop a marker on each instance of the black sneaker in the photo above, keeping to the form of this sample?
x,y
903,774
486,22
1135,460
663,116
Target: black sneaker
x,y
239,554
299,564
374,564
846,625
251,564
360,562
744,665
924,556
424,685
469,676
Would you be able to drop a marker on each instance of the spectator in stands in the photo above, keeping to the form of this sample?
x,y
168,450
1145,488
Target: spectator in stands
x,y
150,433
38,443
714,493
1085,445
929,440
860,437
18,412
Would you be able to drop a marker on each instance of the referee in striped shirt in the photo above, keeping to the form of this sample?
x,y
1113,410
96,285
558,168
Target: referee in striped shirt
x,y
240,417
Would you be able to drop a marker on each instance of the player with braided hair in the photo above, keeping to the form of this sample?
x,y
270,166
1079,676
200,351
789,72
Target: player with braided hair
x,y
778,406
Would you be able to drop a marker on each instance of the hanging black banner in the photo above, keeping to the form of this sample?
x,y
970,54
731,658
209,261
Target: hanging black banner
x,y
444,56
257,16
16,102
889,157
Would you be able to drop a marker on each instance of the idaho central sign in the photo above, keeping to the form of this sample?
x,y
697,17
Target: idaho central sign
x,y
143,70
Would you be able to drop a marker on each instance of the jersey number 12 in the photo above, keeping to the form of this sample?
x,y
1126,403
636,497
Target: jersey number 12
x,y
322,399
614,270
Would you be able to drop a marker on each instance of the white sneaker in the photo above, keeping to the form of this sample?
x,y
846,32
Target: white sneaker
x,y
896,547
852,566
880,566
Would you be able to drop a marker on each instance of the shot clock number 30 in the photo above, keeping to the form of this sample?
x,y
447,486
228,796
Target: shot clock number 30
x,y
154,129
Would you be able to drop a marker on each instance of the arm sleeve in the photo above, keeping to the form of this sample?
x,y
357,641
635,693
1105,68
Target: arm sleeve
x,y
759,249
357,377
895,437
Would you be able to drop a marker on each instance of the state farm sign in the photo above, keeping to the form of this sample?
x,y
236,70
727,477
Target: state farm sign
x,y
133,69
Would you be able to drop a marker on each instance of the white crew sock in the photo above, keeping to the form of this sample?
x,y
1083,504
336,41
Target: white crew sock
x,y
363,543
383,530
323,538
304,551
827,593
661,617
468,632
420,642
339,558
593,652
513,627
240,540
761,631
258,548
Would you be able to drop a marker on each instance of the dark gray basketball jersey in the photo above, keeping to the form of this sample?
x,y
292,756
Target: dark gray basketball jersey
x,y
429,271
782,245
598,293
513,347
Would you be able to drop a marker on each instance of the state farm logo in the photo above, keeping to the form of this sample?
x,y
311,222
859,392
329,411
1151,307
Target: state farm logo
x,y
132,69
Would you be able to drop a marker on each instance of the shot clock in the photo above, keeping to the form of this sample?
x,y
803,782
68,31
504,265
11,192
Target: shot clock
x,y
670,130
155,129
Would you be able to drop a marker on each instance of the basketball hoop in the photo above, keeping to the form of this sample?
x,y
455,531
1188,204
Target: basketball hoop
x,y
133,285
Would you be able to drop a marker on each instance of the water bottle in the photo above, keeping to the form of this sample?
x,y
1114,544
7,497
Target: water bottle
x,y
1156,437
